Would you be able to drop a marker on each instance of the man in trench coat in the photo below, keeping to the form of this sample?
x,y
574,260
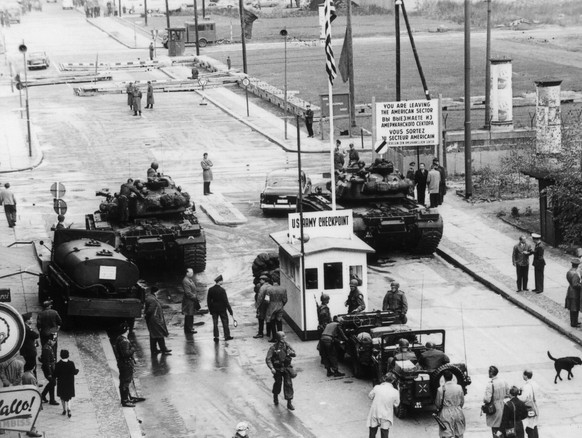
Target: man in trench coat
x,y
573,294
154,316
190,303
150,96
137,94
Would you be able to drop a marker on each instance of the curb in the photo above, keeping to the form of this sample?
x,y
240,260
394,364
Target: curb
x,y
39,156
558,325
112,36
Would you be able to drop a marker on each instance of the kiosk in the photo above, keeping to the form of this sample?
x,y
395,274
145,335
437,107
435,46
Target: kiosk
x,y
176,41
333,255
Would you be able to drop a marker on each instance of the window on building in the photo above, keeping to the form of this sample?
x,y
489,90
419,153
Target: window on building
x,y
333,276
311,278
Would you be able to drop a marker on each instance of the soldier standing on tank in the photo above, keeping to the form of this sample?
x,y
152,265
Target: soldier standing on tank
x,y
396,301
137,95
355,302
126,191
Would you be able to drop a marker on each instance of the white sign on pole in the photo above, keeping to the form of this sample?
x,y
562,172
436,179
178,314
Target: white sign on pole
x,y
408,123
338,224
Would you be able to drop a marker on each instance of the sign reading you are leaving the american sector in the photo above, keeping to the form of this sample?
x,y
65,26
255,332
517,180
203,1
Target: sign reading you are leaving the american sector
x,y
408,123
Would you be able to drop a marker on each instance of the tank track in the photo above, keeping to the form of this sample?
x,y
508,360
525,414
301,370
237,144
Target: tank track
x,y
428,242
195,257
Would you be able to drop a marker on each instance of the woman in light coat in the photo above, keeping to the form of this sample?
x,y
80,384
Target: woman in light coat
x,y
528,396
450,400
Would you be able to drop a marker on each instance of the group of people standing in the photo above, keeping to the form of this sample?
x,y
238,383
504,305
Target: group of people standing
x,y
435,180
134,96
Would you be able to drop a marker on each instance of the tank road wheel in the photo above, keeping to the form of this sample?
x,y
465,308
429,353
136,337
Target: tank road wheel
x,y
428,242
401,411
195,257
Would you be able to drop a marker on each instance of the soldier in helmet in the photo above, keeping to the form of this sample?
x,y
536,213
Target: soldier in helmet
x,y
126,191
403,353
396,301
355,302
323,313
124,351
331,336
153,174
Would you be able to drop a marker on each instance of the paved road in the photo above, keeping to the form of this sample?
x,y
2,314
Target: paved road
x,y
204,389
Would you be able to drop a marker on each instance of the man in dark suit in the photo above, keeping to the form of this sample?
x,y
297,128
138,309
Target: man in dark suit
x,y
420,181
443,182
217,306
538,262
573,294
520,258
309,120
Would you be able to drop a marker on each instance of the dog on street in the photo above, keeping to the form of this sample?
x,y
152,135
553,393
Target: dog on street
x,y
564,363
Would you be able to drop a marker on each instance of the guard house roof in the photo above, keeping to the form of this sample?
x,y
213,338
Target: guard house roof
x,y
319,244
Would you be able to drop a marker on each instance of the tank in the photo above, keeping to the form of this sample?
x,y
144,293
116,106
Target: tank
x,y
385,216
86,276
161,226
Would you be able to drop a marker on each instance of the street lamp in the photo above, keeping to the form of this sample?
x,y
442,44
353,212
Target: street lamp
x,y
246,82
22,48
283,33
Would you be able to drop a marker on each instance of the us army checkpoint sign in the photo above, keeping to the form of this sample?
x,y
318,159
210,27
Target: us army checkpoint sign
x,y
408,123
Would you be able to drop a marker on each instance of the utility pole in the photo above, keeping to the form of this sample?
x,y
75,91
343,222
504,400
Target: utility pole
x,y
196,26
488,69
145,11
397,30
468,159
242,34
351,67
168,16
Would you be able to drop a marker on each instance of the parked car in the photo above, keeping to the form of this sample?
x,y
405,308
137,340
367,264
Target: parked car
x,y
37,60
12,12
282,190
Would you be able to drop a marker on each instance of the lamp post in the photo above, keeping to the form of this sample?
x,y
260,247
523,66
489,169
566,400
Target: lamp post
x,y
22,48
283,33
246,82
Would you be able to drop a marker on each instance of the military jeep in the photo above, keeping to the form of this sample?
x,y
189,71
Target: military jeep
x,y
417,386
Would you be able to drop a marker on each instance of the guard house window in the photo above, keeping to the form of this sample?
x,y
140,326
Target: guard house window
x,y
289,267
311,278
356,274
333,276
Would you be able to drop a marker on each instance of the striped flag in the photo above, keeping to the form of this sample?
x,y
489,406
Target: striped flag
x,y
330,15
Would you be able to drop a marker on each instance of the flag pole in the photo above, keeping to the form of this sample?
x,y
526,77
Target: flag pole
x,y
331,148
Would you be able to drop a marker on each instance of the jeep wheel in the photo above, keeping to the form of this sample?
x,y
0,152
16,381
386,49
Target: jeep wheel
x,y
436,375
401,411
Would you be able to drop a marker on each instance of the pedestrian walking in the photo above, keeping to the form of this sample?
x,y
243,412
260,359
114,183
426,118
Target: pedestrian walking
x,y
129,91
420,177
443,180
7,198
228,62
156,323
514,412
538,263
384,399
573,301
520,259
528,396
433,181
150,96
309,120
395,300
206,165
323,313
327,346
11,372
124,354
48,324
218,305
137,95
65,372
355,302
495,392
262,298
190,302
274,314
278,360
48,360
449,401
28,349
151,50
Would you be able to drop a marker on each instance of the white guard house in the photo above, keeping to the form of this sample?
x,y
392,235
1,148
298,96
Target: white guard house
x,y
333,255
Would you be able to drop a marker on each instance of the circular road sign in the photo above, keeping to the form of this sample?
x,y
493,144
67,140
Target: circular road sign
x,y
22,48
12,332
60,206
202,81
246,82
58,190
